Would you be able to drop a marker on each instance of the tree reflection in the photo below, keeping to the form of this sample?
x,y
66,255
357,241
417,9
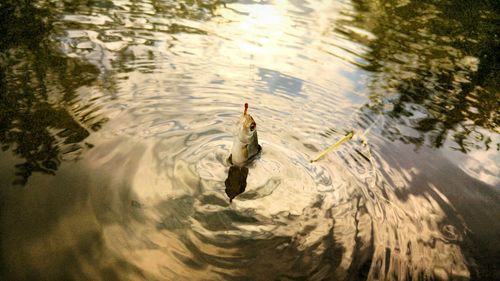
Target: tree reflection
x,y
187,9
435,67
36,84
190,9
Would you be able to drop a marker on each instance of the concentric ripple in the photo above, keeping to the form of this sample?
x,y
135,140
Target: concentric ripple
x,y
141,195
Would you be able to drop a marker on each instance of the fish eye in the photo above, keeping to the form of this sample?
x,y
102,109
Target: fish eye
x,y
252,126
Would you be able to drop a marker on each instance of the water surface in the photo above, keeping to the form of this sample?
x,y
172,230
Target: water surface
x,y
116,120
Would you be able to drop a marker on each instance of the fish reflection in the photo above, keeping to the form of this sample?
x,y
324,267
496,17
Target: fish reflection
x,y
245,148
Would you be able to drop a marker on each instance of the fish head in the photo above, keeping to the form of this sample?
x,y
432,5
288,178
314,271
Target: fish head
x,y
246,128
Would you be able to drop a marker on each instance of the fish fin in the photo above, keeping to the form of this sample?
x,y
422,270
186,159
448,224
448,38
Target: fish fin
x,y
259,149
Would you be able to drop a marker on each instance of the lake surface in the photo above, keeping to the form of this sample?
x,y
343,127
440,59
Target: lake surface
x,y
116,120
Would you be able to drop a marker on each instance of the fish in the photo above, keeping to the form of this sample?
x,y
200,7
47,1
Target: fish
x,y
245,141
245,148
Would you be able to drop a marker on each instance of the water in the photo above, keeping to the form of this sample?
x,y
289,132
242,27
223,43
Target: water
x,y
116,119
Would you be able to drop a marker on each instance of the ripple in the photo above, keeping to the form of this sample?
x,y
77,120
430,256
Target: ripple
x,y
157,124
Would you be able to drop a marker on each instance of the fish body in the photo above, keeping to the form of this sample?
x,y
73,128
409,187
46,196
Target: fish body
x,y
245,142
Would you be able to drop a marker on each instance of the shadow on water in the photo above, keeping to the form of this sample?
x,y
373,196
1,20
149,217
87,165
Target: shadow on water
x,y
435,67
38,82
37,85
471,207
59,230
435,78
147,201
258,257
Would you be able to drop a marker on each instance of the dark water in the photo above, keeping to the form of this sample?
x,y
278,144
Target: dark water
x,y
116,120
